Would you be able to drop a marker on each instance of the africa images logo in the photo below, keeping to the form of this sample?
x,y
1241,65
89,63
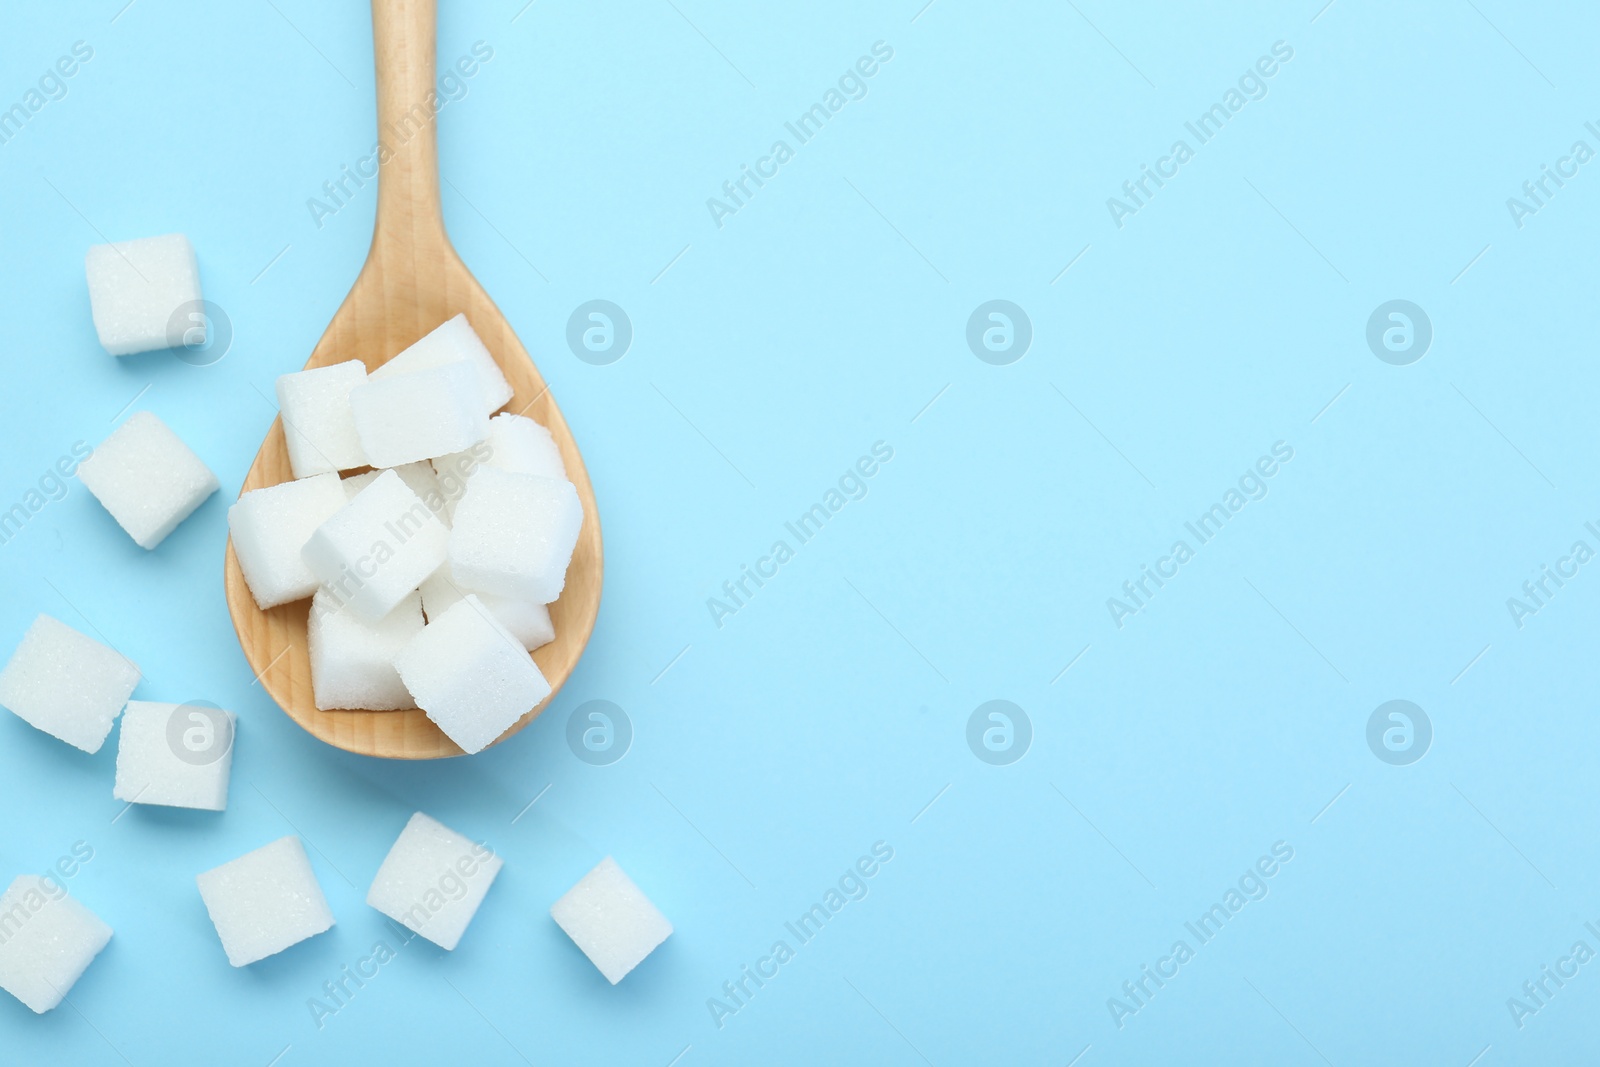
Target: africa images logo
x,y
1399,733
599,332
1399,332
599,732
999,332
999,732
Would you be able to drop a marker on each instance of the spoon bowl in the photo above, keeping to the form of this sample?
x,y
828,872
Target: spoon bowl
x,y
412,281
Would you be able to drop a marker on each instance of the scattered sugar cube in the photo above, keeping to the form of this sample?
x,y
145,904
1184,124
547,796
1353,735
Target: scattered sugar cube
x,y
470,675
318,425
66,684
47,941
516,443
513,535
175,755
614,923
270,526
527,621
265,901
137,287
454,342
433,880
406,417
378,548
352,660
147,478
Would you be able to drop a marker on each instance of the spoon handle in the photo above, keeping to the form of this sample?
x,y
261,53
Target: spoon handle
x,y
403,39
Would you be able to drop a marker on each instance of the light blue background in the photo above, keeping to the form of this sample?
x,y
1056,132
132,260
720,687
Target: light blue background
x,y
829,712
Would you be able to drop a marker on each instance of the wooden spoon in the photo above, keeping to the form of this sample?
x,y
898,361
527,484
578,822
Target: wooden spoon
x,y
412,281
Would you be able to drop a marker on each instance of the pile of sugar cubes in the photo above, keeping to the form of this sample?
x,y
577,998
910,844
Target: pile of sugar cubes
x,y
430,574
429,578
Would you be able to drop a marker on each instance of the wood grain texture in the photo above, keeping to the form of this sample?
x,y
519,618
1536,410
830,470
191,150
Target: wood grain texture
x,y
412,281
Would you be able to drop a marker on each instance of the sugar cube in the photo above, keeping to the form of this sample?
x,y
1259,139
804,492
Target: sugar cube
x,y
147,478
433,880
515,443
454,342
66,684
318,425
352,660
527,621
614,923
270,526
513,534
137,289
406,417
419,476
265,901
175,755
47,941
378,548
470,675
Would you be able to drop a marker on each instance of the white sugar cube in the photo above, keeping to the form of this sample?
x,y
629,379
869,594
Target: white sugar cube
x,y
419,476
378,548
516,443
175,755
614,923
47,941
318,425
265,901
433,880
513,535
66,684
352,660
470,675
147,478
527,621
406,417
270,526
140,292
454,342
